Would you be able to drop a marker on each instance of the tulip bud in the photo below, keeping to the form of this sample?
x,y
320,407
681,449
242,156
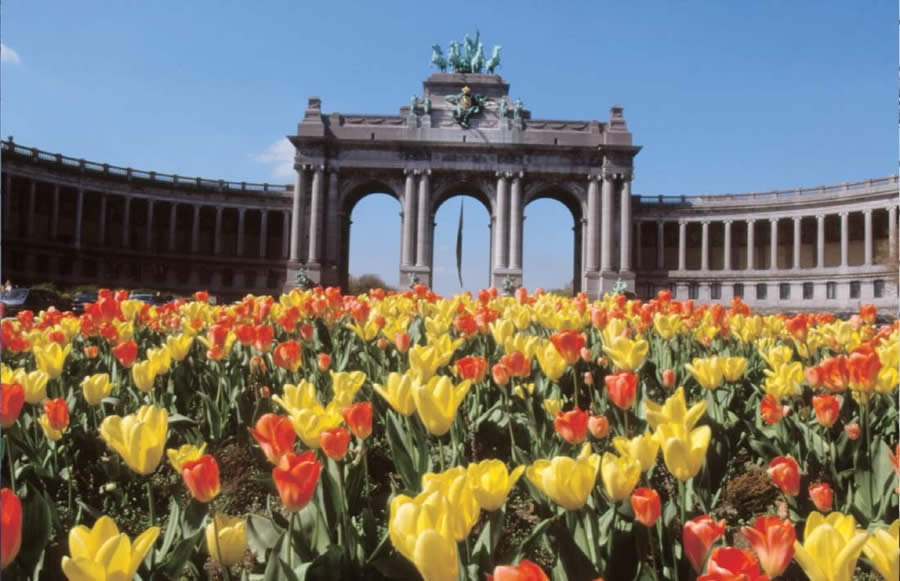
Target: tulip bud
x,y
231,544
379,321
401,341
524,571
296,478
359,419
91,351
646,505
334,442
588,378
324,362
586,354
12,398
306,332
571,425
785,473
381,343
599,426
500,374
814,376
10,527
201,476
698,536
852,431
827,408
822,496
257,366
668,378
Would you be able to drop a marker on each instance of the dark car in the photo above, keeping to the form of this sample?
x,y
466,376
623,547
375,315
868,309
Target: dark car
x,y
32,299
81,300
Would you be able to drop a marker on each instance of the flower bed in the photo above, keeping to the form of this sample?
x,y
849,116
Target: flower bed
x,y
385,436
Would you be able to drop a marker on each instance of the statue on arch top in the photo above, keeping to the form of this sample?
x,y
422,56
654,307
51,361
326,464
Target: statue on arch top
x,y
466,56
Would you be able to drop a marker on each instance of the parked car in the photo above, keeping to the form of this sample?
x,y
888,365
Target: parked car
x,y
32,299
83,299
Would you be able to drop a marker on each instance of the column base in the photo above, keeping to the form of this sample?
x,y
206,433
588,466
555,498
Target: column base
x,y
411,274
506,280
599,283
313,273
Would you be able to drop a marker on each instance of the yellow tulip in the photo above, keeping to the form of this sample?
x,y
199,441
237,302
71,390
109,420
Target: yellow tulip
x,y
502,331
627,354
437,402
491,482
831,547
131,308
345,384
455,486
642,448
883,549
566,481
51,358
785,381
683,450
434,555
50,432
298,397
887,379
125,329
102,552
138,438
420,533
367,331
747,329
528,345
397,391
675,411
777,356
521,389
179,346
666,325
552,406
161,359
231,544
7,375
707,372
733,368
614,329
144,374
185,453
620,475
424,361
34,383
96,387
309,423
551,362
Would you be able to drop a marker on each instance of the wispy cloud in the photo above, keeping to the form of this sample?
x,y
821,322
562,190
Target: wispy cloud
x,y
280,158
9,56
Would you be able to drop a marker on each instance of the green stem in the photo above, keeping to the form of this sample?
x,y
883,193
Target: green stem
x,y
152,515
71,476
612,532
342,530
575,385
9,459
365,459
440,448
291,540
866,420
512,439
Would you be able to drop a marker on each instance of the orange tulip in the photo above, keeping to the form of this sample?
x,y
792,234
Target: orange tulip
x,y
263,337
500,374
201,296
296,478
863,368
868,313
10,527
275,435
588,378
57,413
334,442
568,344
12,398
288,355
646,505
827,409
359,419
773,541
245,334
571,425
668,378
91,351
474,368
771,410
698,536
524,571
324,361
852,431
201,476
622,387
730,563
306,332
834,374
517,364
599,426
822,496
785,473
401,342
126,352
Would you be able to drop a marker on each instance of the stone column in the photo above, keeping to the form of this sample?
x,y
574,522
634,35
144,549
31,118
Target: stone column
x,y
892,230
79,216
867,216
501,244
149,236
592,260
515,223
726,259
240,232
315,215
798,224
217,235
625,225
7,198
773,244
660,245
845,238
32,199
101,234
195,231
264,232
606,225
682,245
638,244
54,216
126,228
285,239
751,243
334,217
704,245
423,221
408,243
297,211
173,228
820,241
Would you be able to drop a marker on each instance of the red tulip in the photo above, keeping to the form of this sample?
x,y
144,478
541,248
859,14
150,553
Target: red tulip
x,y
852,430
359,419
599,426
822,496
622,388
10,527
401,342
57,413
668,378
288,355
334,442
834,374
568,343
264,335
517,364
773,541
500,374
12,398
524,571
785,473
646,505
827,407
571,425
863,368
324,361
730,564
201,476
296,478
306,332
201,296
771,409
698,536
245,334
474,368
275,435
126,352
868,313
91,351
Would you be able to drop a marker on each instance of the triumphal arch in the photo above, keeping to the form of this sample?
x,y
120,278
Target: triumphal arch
x,y
463,135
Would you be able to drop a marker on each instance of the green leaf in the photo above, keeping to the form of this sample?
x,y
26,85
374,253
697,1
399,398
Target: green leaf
x,y
262,535
171,526
194,518
535,534
36,529
174,564
400,453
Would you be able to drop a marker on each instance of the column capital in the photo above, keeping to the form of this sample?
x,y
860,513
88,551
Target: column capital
x,y
820,218
844,214
682,222
705,222
518,175
867,211
426,171
503,174
594,177
751,221
773,220
241,210
409,171
728,222
319,167
797,219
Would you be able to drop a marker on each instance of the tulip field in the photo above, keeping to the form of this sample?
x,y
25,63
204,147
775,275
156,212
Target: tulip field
x,y
405,435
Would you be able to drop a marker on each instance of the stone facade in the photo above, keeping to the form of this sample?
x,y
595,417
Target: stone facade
x,y
71,221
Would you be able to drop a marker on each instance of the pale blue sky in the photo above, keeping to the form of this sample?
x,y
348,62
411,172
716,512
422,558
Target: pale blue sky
x,y
722,95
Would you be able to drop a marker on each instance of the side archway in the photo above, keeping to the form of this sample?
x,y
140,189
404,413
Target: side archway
x,y
557,223
374,206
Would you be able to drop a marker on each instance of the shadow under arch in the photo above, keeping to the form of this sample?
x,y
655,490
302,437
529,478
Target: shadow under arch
x,y
572,197
352,194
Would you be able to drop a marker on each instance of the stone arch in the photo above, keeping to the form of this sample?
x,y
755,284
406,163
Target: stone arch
x,y
572,197
353,192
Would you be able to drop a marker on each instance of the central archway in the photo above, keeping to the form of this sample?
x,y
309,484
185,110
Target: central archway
x,y
476,238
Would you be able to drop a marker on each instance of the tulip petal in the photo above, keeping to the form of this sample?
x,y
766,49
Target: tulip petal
x,y
83,570
142,544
